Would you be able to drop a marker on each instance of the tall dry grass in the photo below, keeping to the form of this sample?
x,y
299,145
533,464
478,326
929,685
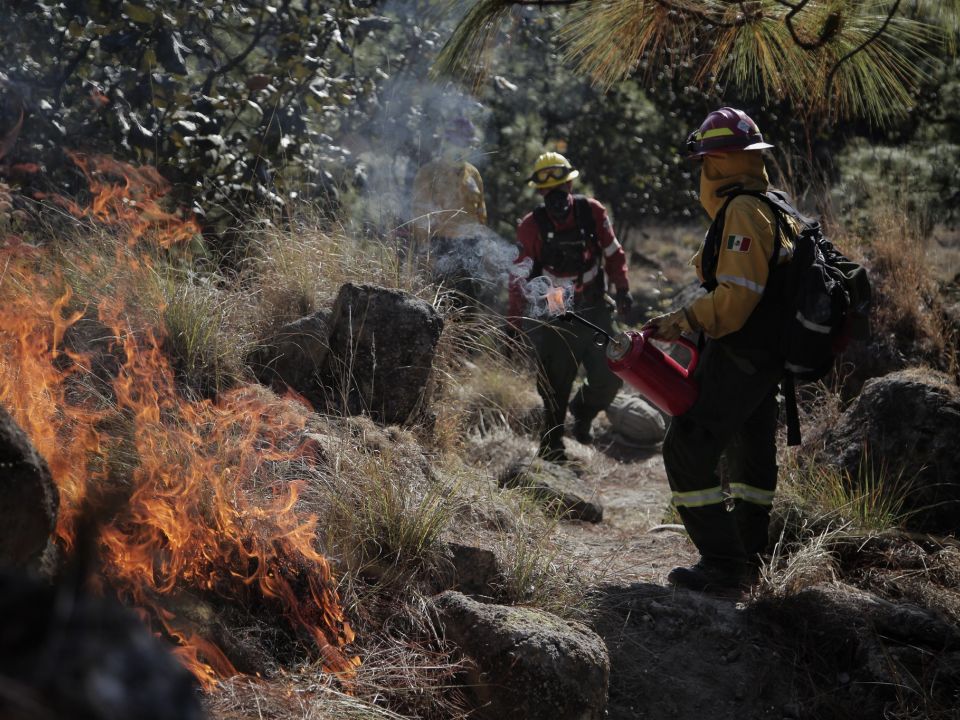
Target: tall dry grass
x,y
384,497
908,315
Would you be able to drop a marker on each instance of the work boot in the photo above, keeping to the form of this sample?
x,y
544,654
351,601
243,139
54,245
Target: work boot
x,y
583,430
552,452
713,576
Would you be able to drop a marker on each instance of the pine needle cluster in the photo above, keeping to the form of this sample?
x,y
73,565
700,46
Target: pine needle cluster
x,y
841,58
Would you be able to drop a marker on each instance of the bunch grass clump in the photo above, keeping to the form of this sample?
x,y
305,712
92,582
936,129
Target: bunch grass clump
x,y
907,306
814,496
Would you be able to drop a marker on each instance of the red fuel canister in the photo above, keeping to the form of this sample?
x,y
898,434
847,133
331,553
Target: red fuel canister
x,y
658,377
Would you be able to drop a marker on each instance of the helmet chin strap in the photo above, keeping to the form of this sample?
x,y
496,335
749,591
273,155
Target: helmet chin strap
x,y
558,202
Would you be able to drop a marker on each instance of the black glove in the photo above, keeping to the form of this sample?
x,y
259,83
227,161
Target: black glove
x,y
624,301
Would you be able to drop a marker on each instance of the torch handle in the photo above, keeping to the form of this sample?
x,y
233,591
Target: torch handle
x,y
583,321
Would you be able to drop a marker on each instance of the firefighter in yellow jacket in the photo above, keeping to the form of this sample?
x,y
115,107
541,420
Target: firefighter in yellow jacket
x,y
741,265
447,204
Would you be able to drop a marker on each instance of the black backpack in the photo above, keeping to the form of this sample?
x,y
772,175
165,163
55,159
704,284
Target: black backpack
x,y
826,300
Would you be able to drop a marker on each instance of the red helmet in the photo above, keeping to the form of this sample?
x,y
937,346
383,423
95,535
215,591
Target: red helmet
x,y
725,130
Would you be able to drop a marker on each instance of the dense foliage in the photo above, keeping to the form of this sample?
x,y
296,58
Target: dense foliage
x,y
263,101
218,95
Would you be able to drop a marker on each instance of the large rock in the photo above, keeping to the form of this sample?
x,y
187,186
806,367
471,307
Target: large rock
x,y
635,420
381,349
903,428
680,654
862,651
526,664
28,498
556,486
295,357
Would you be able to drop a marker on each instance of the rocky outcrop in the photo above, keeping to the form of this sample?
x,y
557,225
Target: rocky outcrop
x,y
865,653
556,486
28,498
525,664
902,430
373,353
381,348
472,570
684,655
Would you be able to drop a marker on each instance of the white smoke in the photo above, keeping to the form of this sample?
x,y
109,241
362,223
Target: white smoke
x,y
537,290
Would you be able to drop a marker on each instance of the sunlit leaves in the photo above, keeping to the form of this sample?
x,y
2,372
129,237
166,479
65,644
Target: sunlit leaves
x,y
217,93
843,58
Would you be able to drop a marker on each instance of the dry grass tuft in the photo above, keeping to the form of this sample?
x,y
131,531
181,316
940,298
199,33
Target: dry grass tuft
x,y
795,565
907,311
300,695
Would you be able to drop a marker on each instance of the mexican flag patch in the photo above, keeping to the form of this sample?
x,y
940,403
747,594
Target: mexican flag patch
x,y
738,243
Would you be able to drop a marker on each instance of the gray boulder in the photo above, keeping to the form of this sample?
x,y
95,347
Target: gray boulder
x,y
525,664
903,428
381,348
28,498
295,356
635,420
556,486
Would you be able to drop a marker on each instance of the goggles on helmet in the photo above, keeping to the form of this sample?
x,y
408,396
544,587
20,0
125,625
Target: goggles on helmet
x,y
553,172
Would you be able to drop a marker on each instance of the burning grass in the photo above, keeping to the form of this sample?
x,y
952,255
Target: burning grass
x,y
245,528
196,512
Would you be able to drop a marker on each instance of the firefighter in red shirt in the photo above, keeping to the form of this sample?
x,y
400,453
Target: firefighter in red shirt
x,y
568,242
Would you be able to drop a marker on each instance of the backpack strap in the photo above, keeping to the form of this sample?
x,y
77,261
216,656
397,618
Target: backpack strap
x,y
545,228
583,217
780,204
583,214
583,221
789,389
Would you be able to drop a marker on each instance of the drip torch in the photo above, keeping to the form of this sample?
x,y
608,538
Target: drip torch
x,y
633,358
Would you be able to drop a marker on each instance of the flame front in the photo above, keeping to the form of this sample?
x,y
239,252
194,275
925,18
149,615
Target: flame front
x,y
128,197
190,505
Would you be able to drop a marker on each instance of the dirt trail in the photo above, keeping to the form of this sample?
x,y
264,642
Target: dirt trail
x,y
631,484
673,654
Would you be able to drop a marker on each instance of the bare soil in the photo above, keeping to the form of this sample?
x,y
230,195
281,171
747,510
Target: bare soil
x,y
673,653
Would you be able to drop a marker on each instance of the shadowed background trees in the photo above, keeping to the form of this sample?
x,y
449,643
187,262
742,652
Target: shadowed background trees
x,y
271,102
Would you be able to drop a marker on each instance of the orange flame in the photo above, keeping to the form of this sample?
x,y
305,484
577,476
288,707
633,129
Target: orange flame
x,y
200,513
128,198
555,304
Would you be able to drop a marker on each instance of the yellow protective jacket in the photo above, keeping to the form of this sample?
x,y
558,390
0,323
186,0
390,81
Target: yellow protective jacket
x,y
447,199
746,242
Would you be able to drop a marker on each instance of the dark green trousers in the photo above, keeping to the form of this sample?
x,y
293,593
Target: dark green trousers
x,y
735,416
562,347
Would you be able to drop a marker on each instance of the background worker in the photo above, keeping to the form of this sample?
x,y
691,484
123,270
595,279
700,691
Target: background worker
x,y
448,205
569,241
740,367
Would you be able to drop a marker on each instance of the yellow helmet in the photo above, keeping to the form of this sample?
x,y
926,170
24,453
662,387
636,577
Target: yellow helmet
x,y
551,169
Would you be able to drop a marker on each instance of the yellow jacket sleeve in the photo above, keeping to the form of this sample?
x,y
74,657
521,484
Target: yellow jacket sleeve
x,y
472,199
742,267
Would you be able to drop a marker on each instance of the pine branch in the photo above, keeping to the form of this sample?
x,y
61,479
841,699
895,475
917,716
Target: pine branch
x,y
861,47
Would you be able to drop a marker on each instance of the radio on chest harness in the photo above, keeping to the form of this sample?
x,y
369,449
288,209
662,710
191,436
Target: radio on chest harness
x,y
572,251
